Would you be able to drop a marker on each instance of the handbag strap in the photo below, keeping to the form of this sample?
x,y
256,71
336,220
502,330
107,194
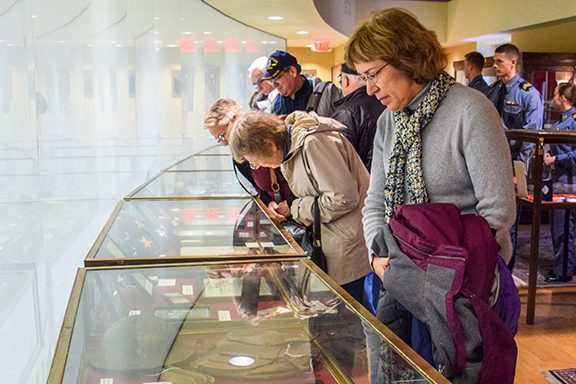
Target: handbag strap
x,y
274,185
317,238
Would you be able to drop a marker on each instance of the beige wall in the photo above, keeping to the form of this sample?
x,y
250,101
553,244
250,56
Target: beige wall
x,y
471,18
321,62
554,37
457,53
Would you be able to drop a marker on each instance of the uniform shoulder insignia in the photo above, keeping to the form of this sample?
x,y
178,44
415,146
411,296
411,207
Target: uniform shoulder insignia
x,y
525,85
574,116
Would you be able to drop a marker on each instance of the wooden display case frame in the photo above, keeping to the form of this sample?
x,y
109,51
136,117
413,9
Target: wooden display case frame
x,y
539,138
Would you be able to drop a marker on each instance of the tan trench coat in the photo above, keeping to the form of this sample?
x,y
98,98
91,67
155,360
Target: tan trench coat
x,y
321,161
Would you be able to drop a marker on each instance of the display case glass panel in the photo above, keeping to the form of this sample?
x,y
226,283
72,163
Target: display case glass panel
x,y
270,322
192,184
216,150
204,163
145,231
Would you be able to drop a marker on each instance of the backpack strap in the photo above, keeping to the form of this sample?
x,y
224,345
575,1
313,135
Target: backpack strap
x,y
316,96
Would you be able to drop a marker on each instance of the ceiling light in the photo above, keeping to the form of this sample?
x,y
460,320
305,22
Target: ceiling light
x,y
207,32
187,33
275,18
302,32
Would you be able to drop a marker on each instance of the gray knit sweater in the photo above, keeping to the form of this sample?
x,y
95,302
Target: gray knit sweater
x,y
466,161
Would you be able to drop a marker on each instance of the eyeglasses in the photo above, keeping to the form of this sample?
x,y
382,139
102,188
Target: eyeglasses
x,y
340,80
221,137
373,78
259,82
282,73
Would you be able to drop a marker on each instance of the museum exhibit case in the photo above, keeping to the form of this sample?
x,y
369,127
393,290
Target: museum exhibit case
x,y
280,321
216,150
217,183
160,231
203,163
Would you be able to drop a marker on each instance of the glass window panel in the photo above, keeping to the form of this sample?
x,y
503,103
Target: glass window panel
x,y
191,184
204,163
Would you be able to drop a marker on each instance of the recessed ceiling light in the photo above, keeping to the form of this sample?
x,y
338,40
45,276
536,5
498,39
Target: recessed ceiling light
x,y
171,46
207,32
275,18
302,32
187,33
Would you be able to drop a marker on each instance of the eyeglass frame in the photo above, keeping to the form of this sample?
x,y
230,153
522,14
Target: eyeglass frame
x,y
259,82
373,78
282,73
221,137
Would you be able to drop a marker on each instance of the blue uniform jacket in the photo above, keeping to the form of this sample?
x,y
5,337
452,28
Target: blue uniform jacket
x,y
565,165
522,109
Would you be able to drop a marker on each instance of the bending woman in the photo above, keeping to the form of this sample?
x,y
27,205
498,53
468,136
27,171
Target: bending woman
x,y
316,160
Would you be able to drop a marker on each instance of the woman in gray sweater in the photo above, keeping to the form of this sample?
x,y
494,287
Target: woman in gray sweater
x,y
437,141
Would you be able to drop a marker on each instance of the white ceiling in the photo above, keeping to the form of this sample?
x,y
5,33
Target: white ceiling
x,y
299,15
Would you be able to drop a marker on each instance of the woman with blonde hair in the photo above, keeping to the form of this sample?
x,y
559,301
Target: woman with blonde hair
x,y
437,141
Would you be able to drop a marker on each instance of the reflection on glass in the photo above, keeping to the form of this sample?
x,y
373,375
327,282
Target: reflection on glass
x,y
192,184
160,228
216,150
304,332
204,163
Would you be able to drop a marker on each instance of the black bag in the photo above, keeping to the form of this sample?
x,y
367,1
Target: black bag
x,y
312,242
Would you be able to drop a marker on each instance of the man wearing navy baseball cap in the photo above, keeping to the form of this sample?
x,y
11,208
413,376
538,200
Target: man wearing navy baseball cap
x,y
295,90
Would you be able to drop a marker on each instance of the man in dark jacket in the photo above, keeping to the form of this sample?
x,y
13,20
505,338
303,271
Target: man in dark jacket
x,y
358,112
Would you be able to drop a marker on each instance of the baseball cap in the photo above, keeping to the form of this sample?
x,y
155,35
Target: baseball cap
x,y
277,62
346,69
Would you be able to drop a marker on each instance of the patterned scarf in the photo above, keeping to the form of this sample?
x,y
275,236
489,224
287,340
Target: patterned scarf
x,y
405,174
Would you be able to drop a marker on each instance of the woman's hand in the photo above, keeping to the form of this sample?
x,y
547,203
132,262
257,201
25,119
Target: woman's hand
x,y
549,160
278,211
380,264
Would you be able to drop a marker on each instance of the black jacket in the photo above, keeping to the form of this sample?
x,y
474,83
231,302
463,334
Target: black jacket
x,y
359,113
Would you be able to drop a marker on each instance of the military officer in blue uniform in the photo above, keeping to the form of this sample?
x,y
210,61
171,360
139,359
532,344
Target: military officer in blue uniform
x,y
518,102
562,159
520,107
473,64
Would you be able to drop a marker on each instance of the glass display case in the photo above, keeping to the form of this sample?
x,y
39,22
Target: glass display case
x,y
216,150
204,163
160,231
193,184
281,321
